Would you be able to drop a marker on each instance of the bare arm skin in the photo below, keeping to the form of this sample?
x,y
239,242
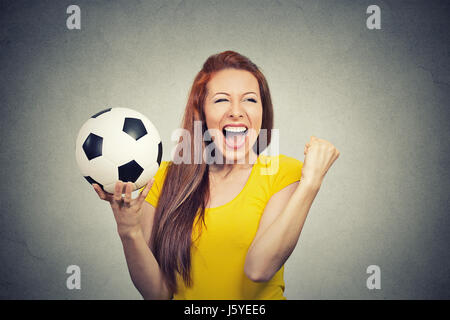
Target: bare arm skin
x,y
279,230
142,265
134,219
286,212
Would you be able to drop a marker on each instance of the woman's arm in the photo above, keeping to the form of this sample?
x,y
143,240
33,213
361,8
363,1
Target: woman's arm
x,y
142,265
286,212
279,229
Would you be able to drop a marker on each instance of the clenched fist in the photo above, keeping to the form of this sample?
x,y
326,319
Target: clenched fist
x,y
319,156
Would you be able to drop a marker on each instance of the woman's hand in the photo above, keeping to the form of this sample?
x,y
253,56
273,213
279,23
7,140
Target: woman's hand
x,y
127,211
319,156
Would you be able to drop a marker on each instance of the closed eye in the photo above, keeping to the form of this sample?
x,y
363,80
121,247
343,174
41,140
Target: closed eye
x,y
220,100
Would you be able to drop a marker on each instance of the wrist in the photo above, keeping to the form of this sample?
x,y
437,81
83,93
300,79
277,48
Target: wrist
x,y
130,234
311,183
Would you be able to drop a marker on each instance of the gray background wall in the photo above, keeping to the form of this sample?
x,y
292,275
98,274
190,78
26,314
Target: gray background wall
x,y
380,96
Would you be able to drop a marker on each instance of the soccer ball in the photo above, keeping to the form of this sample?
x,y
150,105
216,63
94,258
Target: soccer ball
x,y
118,144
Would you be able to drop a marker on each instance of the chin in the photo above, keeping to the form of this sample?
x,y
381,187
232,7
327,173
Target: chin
x,y
237,155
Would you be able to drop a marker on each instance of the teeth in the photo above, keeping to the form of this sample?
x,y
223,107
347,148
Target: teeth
x,y
235,129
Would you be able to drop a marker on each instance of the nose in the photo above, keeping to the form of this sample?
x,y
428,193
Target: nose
x,y
236,111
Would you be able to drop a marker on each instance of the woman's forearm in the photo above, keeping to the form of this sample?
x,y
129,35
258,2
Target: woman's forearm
x,y
276,244
143,267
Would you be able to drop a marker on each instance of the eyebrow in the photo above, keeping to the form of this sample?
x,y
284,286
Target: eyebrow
x,y
228,94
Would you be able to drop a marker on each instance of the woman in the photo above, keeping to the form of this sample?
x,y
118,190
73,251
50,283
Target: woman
x,y
220,229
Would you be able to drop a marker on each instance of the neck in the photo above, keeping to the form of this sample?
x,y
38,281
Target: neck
x,y
227,168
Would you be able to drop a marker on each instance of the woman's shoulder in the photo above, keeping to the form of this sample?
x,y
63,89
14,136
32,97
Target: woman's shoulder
x,y
279,164
279,171
279,157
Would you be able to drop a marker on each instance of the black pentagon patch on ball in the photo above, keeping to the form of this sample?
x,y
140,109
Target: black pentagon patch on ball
x,y
92,146
100,112
91,181
160,151
134,128
130,171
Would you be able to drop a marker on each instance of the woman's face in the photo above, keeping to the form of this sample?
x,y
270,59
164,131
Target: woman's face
x,y
233,112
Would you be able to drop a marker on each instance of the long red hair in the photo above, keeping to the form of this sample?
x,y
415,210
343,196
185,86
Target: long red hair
x,y
185,190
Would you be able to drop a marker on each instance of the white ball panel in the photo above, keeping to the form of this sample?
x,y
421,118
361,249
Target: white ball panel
x,y
110,187
110,122
119,148
103,171
82,161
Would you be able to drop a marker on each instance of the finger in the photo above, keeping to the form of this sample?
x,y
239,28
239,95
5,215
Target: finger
x,y
129,188
108,196
98,192
101,194
118,192
124,188
145,192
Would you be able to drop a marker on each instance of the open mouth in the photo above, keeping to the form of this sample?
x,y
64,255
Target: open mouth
x,y
235,136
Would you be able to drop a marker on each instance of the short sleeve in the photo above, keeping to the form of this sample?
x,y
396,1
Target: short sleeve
x,y
153,194
289,171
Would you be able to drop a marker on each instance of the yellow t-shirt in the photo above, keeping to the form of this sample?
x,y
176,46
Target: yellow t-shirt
x,y
218,255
